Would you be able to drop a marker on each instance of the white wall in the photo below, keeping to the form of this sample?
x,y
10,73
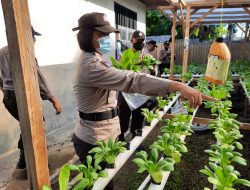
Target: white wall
x,y
55,19
56,50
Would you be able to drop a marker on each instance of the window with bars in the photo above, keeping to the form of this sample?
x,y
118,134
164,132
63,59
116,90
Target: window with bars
x,y
125,17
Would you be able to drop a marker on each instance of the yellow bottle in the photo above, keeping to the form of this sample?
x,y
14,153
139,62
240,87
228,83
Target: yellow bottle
x,y
218,62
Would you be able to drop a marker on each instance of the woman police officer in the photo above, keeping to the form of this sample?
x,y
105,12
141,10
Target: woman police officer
x,y
95,83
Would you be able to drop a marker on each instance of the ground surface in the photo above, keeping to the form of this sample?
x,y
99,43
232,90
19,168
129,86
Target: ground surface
x,y
60,151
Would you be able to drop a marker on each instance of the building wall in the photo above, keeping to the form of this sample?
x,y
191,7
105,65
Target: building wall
x,y
57,51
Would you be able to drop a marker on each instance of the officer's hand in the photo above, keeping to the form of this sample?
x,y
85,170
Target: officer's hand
x,y
194,96
56,105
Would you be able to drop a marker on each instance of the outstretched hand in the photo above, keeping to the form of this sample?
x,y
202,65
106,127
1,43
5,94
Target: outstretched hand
x,y
194,96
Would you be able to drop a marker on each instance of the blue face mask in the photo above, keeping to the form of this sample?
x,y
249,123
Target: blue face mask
x,y
105,44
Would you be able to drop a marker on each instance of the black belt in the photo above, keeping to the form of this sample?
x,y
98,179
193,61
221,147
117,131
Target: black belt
x,y
99,116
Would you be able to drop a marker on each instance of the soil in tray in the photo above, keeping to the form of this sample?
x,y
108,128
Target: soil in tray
x,y
186,175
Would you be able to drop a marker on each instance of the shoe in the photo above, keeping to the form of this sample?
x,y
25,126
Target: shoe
x,y
140,148
21,164
121,137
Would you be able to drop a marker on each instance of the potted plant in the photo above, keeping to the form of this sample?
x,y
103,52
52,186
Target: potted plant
x,y
149,115
152,165
107,152
170,145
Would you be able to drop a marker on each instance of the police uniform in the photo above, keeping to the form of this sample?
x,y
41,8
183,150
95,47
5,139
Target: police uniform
x,y
95,83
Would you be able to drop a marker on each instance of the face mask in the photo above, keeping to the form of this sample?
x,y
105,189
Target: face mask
x,y
151,49
138,46
105,44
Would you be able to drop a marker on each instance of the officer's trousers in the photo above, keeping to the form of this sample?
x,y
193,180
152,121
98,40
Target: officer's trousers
x,y
125,113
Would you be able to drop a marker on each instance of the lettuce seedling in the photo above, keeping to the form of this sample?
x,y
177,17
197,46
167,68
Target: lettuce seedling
x,y
87,176
170,145
225,177
150,115
228,124
225,155
161,102
228,138
152,165
181,128
107,152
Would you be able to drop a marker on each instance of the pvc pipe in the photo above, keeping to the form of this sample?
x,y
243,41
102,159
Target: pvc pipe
x,y
101,183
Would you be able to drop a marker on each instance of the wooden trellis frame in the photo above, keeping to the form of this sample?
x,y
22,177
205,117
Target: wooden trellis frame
x,y
189,13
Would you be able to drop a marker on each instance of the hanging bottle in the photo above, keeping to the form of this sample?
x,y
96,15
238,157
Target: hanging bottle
x,y
218,62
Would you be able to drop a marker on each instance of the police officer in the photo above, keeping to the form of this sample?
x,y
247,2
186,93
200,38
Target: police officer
x,y
95,83
9,98
165,57
137,42
151,48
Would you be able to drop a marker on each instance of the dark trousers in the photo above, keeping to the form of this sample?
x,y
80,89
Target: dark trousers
x,y
125,113
82,148
9,101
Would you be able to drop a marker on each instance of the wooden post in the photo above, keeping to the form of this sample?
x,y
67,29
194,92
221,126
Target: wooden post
x,y
186,41
246,31
24,72
173,44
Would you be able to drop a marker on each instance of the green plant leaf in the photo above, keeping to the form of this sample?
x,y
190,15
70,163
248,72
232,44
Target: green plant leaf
x,y
81,185
239,145
64,177
103,174
154,154
239,160
95,150
45,187
242,182
214,181
157,176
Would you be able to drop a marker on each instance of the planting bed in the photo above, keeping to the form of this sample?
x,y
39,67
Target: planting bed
x,y
186,175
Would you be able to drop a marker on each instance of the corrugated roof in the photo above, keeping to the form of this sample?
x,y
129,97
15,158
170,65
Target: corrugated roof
x,y
233,11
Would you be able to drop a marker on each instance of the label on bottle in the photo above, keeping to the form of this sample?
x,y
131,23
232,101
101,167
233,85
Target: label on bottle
x,y
217,70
